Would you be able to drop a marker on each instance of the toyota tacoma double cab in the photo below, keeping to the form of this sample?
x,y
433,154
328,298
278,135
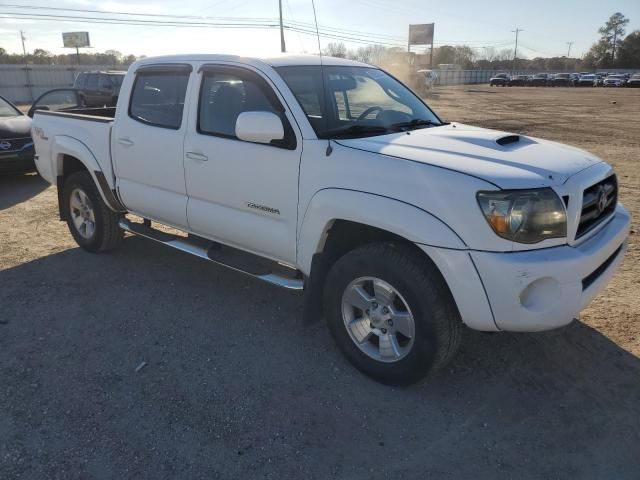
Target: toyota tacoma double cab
x,y
332,177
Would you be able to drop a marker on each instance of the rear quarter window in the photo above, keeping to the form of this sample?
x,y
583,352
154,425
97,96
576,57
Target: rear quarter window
x,y
157,98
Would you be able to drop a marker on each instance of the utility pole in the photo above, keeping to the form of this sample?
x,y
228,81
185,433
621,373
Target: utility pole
x,y
24,50
515,51
566,63
283,47
26,66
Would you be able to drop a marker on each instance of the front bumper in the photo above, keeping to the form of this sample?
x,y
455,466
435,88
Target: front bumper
x,y
18,161
533,290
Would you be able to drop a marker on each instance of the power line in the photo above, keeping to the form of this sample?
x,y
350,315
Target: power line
x,y
196,17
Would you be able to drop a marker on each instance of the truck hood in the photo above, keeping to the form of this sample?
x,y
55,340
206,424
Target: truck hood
x,y
507,160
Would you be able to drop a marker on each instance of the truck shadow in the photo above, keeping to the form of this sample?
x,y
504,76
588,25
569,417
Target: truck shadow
x,y
16,188
229,362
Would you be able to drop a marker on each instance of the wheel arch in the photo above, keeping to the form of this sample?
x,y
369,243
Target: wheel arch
x,y
337,221
70,155
371,216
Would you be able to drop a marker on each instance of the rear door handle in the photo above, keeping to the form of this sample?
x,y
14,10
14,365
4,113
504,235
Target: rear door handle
x,y
126,142
197,156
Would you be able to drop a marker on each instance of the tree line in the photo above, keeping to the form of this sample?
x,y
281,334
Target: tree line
x,y
612,50
44,57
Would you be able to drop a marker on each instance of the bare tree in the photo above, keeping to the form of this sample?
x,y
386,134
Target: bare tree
x,y
335,49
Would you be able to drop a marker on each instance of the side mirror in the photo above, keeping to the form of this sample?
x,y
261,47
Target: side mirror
x,y
33,109
259,127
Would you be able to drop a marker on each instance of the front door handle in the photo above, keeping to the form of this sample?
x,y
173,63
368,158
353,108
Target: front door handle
x,y
197,156
127,142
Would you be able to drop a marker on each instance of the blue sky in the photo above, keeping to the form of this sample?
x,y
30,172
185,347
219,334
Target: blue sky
x,y
548,24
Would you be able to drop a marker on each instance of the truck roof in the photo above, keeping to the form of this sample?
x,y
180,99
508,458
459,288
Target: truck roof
x,y
275,61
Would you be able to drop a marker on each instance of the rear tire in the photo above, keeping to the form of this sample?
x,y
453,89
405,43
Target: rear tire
x,y
399,293
93,225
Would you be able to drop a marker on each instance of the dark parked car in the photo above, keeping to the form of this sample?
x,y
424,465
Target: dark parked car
x,y
634,81
539,80
16,145
99,89
519,81
561,80
588,80
499,80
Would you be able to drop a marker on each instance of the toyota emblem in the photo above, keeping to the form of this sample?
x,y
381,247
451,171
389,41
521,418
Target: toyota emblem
x,y
602,201
4,145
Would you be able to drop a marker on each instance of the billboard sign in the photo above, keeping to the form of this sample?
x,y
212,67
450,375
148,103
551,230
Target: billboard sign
x,y
75,39
421,34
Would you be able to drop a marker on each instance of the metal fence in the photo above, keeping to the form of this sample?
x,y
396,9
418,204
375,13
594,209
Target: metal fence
x,y
25,83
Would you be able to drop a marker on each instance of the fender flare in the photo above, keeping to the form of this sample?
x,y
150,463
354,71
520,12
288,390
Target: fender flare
x,y
64,145
386,213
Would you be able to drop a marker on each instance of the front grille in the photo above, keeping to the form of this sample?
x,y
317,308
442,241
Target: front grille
x,y
13,144
598,203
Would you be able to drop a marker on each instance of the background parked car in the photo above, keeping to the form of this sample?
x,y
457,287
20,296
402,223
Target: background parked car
x,y
588,80
561,80
519,81
16,145
499,80
99,89
634,81
539,80
600,79
615,81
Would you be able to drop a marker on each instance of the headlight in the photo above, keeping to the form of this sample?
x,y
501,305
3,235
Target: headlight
x,y
525,216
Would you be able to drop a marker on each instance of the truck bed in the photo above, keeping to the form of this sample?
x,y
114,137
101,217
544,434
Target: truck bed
x,y
86,131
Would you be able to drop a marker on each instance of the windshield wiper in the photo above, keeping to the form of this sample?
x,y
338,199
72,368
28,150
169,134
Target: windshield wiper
x,y
415,123
357,130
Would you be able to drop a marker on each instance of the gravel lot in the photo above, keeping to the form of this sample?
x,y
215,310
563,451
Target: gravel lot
x,y
235,386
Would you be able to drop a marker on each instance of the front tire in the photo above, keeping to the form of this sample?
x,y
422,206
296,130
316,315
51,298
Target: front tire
x,y
391,313
93,225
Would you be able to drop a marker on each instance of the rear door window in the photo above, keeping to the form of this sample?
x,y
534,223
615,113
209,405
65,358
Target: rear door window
x,y
104,82
92,81
158,98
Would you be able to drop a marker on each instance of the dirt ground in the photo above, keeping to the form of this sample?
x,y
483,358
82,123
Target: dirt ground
x,y
235,386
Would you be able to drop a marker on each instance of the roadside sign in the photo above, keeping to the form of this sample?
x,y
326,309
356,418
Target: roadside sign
x,y
75,39
421,34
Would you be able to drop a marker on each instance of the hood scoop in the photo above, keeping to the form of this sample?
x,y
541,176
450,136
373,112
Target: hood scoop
x,y
508,140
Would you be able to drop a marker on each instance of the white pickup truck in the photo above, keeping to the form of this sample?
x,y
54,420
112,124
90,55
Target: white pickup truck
x,y
335,178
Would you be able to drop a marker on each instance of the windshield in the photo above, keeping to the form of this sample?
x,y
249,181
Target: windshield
x,y
359,101
562,75
7,110
588,77
617,77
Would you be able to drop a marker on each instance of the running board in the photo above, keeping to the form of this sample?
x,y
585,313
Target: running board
x,y
236,260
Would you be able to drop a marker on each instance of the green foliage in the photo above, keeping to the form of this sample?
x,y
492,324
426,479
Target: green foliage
x,y
629,53
608,51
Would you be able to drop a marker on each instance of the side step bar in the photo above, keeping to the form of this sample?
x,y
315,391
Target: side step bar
x,y
236,260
